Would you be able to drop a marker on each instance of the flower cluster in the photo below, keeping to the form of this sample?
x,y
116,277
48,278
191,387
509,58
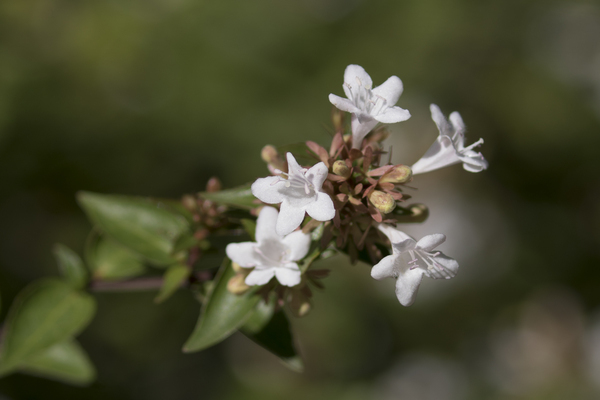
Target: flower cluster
x,y
351,200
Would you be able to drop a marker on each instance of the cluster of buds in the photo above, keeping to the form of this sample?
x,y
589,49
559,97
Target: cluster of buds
x,y
349,201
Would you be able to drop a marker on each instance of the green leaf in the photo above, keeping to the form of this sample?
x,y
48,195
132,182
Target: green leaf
x,y
271,330
222,313
250,228
65,361
45,313
70,266
173,278
109,260
148,227
241,197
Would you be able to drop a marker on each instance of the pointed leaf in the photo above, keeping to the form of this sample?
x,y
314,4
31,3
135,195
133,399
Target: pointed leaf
x,y
271,330
65,361
174,277
222,313
110,260
71,266
241,197
145,226
45,313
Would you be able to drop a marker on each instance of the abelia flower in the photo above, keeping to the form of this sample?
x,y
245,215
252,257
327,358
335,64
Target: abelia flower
x,y
300,193
272,255
367,105
411,260
449,148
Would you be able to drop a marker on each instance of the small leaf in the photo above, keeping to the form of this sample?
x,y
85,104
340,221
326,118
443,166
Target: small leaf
x,y
110,260
70,266
241,197
65,361
300,152
45,313
250,228
148,227
271,330
173,278
222,313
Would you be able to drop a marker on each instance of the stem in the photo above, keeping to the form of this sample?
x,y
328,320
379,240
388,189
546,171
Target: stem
x,y
143,284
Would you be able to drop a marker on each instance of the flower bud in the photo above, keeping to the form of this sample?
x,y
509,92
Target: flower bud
x,y
399,174
189,202
270,155
340,168
384,202
236,284
236,267
299,304
213,185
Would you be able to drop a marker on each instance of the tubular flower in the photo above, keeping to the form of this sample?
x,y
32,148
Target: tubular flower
x,y
300,193
449,148
367,105
272,255
411,260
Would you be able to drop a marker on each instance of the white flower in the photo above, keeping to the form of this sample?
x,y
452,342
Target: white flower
x,y
411,260
367,105
272,255
449,148
299,193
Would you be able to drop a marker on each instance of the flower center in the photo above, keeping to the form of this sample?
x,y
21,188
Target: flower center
x,y
297,182
428,258
273,253
364,98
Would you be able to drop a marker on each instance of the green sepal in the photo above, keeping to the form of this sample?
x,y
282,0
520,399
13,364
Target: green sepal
x,y
241,197
71,266
222,312
65,361
271,330
145,226
173,279
109,260
43,314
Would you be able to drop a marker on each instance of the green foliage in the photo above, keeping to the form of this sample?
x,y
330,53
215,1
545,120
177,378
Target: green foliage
x,y
222,313
65,361
109,260
271,330
250,228
173,278
148,227
44,314
71,266
238,197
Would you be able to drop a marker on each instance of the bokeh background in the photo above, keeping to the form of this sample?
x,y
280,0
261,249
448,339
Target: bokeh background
x,y
153,97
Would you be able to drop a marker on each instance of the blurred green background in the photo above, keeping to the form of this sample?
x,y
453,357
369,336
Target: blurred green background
x,y
153,97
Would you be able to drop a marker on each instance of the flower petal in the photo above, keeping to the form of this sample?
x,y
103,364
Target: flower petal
x,y
457,123
407,286
441,154
386,268
355,75
392,233
343,104
298,243
444,267
392,115
290,218
474,162
265,225
390,90
430,242
317,175
242,253
321,209
293,166
260,276
361,129
288,275
268,189
440,120
403,246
